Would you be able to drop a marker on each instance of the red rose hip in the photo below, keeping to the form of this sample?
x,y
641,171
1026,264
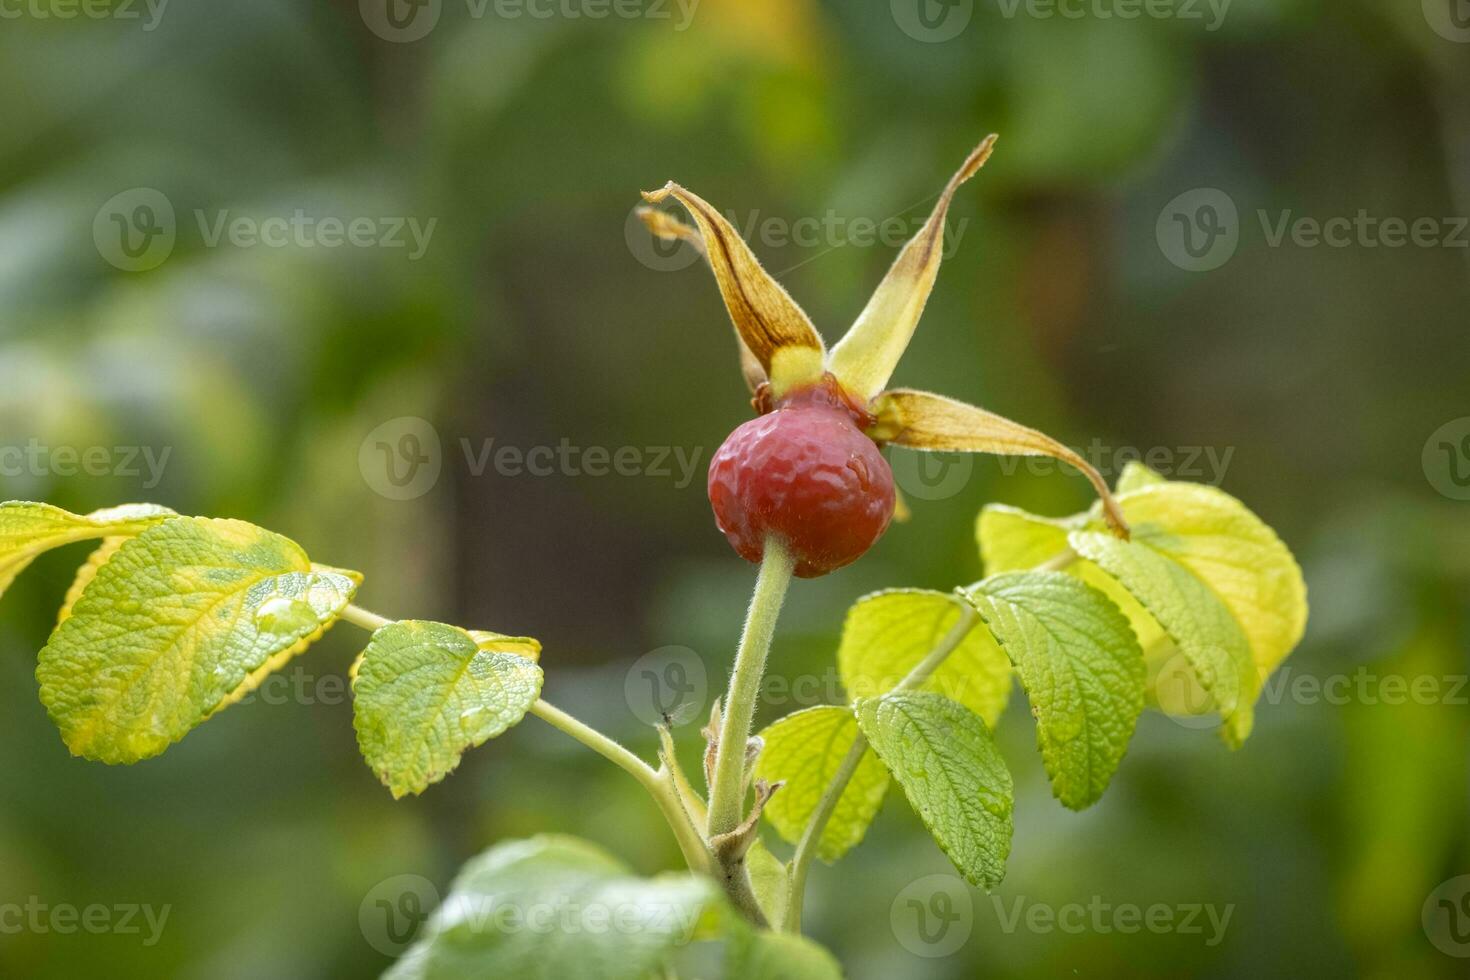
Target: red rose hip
x,y
807,474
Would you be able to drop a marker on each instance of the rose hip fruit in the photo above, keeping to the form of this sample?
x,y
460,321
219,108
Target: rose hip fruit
x,y
807,474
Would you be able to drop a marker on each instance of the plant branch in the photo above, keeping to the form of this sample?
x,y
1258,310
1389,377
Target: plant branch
x,y
806,848
358,616
727,793
658,782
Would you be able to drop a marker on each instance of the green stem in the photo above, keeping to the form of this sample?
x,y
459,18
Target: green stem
x,y
806,848
727,795
1058,561
358,616
658,782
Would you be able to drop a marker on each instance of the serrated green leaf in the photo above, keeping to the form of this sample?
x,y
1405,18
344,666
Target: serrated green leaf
x,y
942,755
1194,617
760,954
426,692
805,749
1136,476
556,908
1081,667
887,633
1010,539
27,529
1234,553
184,620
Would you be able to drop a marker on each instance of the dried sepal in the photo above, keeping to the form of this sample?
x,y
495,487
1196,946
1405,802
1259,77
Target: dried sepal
x,y
663,225
778,334
865,358
925,421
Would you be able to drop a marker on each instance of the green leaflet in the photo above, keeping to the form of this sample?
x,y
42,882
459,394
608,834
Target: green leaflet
x,y
425,692
1136,476
27,529
805,749
759,954
1233,552
1012,540
1082,670
1194,617
185,619
1211,582
557,908
942,755
887,633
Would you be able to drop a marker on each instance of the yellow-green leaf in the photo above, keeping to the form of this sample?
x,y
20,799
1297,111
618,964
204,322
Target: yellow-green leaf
x,y
1081,668
943,756
805,749
1136,476
27,529
427,692
184,619
1193,616
1233,552
1012,540
887,633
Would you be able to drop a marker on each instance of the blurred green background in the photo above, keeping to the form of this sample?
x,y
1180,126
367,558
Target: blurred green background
x,y
537,314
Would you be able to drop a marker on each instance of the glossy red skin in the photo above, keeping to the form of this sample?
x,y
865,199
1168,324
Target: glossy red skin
x,y
806,473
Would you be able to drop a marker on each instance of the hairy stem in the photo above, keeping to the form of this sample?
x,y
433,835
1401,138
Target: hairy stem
x,y
658,782
727,794
358,616
806,848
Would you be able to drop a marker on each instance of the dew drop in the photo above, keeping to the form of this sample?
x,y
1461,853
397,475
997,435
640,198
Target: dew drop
x,y
281,615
